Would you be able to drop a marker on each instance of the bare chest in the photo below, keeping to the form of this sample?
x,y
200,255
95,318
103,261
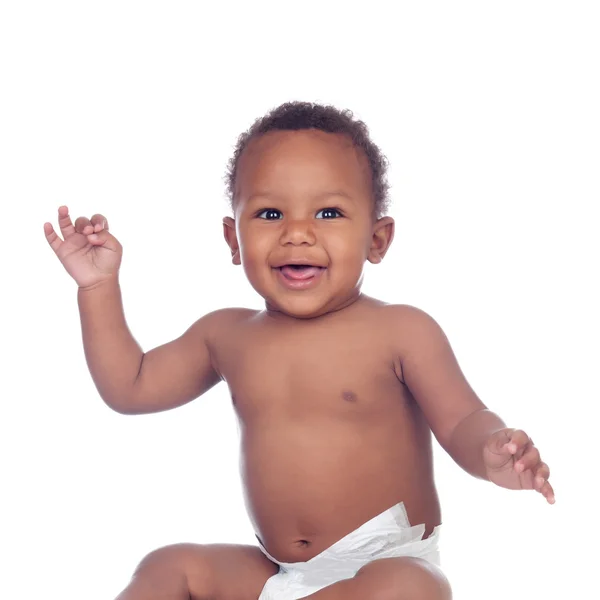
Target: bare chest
x,y
311,375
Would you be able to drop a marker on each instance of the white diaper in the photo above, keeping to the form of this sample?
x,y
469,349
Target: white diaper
x,y
385,536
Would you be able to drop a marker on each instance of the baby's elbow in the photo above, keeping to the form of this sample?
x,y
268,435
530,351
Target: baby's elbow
x,y
124,406
124,410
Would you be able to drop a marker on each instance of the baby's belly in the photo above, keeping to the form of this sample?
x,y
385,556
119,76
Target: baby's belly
x,y
306,489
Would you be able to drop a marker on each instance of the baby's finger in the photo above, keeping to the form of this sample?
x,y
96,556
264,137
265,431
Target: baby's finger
x,y
83,225
53,239
64,222
99,223
99,239
529,460
548,492
518,440
500,440
543,471
541,474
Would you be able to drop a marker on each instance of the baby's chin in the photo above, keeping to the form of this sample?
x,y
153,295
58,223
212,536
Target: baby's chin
x,y
300,309
307,308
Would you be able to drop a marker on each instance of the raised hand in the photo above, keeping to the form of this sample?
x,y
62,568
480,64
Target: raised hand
x,y
513,462
89,253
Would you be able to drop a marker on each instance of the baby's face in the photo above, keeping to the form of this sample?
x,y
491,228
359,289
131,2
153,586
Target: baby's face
x,y
304,223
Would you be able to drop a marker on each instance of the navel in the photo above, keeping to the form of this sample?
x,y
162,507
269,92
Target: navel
x,y
349,396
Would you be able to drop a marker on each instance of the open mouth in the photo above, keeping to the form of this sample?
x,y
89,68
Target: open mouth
x,y
300,272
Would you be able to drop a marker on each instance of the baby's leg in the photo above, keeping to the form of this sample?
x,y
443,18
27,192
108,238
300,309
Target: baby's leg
x,y
207,572
390,579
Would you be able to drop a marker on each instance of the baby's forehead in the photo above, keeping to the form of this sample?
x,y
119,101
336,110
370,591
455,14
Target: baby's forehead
x,y
314,153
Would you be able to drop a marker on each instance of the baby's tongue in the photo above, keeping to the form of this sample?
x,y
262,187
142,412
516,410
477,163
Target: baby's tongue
x,y
299,272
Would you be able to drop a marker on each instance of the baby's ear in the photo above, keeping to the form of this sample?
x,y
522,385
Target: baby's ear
x,y
231,239
383,234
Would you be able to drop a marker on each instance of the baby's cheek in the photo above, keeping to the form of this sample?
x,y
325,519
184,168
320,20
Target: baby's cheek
x,y
257,270
352,257
249,252
351,267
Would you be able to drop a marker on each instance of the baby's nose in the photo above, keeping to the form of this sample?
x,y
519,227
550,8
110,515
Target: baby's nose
x,y
298,231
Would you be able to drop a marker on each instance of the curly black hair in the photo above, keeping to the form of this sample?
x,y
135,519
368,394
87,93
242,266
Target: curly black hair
x,y
293,116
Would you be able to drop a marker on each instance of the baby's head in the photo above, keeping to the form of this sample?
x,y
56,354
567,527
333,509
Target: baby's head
x,y
307,187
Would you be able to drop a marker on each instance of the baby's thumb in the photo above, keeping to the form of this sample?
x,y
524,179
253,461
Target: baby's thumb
x,y
499,441
103,238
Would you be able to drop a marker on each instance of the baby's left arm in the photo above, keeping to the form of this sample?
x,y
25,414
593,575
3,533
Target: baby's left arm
x,y
476,438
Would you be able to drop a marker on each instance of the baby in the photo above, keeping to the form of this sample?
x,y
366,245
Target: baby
x,y
337,393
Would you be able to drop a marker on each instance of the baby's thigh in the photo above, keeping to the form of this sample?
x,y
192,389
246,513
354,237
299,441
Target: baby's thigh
x,y
202,572
401,578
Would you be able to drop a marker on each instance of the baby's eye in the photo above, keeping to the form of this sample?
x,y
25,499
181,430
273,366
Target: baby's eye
x,y
329,213
271,214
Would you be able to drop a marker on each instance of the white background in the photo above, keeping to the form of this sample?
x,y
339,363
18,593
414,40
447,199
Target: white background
x,y
488,113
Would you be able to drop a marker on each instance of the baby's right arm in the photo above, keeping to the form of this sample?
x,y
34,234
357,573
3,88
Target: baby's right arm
x,y
128,380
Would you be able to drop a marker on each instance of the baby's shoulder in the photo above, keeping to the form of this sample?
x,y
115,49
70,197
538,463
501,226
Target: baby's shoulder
x,y
225,318
407,321
402,314
216,325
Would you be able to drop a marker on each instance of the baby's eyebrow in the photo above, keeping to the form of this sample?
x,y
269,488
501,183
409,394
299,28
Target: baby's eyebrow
x,y
263,195
335,193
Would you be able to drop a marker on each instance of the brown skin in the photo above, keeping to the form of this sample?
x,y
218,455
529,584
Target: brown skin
x,y
337,394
